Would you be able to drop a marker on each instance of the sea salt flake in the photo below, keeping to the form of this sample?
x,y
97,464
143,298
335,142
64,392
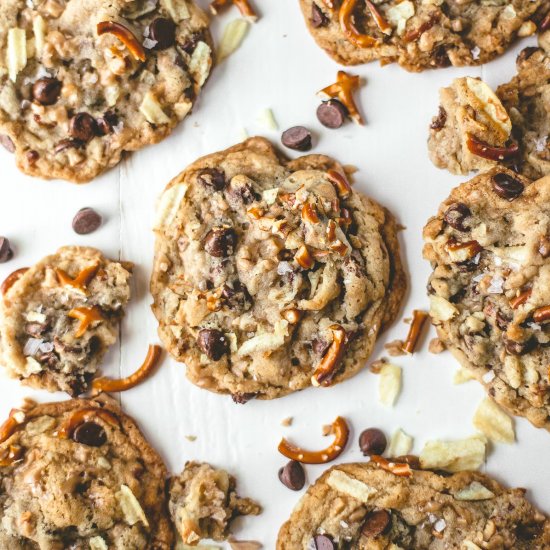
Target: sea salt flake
x,y
31,346
488,376
475,52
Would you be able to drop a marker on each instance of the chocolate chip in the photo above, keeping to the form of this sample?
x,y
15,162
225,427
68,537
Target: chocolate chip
x,y
91,434
372,442
519,348
323,542
507,187
525,54
376,523
86,220
83,127
243,398
332,113
7,143
456,215
412,460
106,124
440,120
6,252
191,43
318,18
440,57
293,476
163,32
46,90
213,343
297,138
236,296
211,178
68,143
32,156
240,192
220,243
319,346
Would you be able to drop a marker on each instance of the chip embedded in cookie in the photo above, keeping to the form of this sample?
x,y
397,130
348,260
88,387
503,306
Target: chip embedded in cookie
x,y
79,474
360,506
489,246
59,317
87,80
271,275
420,35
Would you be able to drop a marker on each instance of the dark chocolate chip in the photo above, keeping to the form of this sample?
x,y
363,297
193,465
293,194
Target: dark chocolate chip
x,y
163,32
48,359
6,252
440,57
440,120
456,215
507,187
191,43
213,343
7,143
83,127
106,124
91,434
297,138
412,460
372,442
319,346
46,90
243,398
323,542
376,523
86,220
332,113
211,178
220,243
318,18
293,476
236,296
239,193
502,322
68,143
32,156
525,54
519,348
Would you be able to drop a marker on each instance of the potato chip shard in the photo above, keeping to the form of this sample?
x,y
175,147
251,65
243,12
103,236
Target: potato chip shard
x,y
232,37
454,456
401,444
17,52
130,506
351,486
389,385
493,422
474,491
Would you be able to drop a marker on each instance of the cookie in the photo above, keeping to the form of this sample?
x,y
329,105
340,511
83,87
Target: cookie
x,y
477,129
203,503
270,272
60,316
489,246
79,474
87,80
420,35
360,506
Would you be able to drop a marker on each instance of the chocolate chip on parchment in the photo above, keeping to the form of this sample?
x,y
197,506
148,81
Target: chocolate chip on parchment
x,y
297,138
86,220
372,442
163,32
46,90
456,215
7,143
332,113
212,178
318,18
83,127
213,343
376,523
91,434
220,243
6,252
506,186
323,542
293,475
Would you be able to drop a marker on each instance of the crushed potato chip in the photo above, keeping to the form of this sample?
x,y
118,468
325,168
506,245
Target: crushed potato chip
x,y
151,109
267,119
454,456
400,444
130,506
266,342
168,205
348,485
399,14
232,37
177,9
17,52
201,63
462,375
441,309
474,491
97,543
39,28
492,421
389,385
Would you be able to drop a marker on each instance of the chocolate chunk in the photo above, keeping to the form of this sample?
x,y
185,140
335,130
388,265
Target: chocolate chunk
x,y
68,143
243,398
456,215
213,343
49,359
107,123
212,179
412,460
376,523
525,54
191,43
236,296
297,138
323,542
91,434
240,192
83,127
519,348
163,32
372,442
220,243
32,156
46,90
86,220
6,252
440,57
7,143
332,113
293,475
506,186
319,346
318,18
440,120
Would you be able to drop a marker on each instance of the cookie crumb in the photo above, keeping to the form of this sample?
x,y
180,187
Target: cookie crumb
x,y
436,346
191,438
287,421
377,365
395,348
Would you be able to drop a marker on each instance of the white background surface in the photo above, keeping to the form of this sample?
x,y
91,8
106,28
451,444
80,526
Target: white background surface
x,y
277,67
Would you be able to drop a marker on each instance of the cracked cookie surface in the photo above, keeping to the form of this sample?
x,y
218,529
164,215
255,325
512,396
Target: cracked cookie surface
x,y
360,506
80,475
60,316
265,275
489,247
419,34
87,80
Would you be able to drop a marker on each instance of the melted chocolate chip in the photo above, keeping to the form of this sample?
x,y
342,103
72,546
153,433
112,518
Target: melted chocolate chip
x,y
525,54
163,32
213,343
376,523
332,113
440,120
86,220
519,348
32,156
507,187
297,138
6,252
318,18
46,90
372,442
236,296
456,215
440,57
91,434
319,346
107,123
220,243
7,143
293,476
83,127
212,179
323,542
68,143
243,398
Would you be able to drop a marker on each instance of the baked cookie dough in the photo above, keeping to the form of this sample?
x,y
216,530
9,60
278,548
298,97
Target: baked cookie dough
x,y
80,475
204,502
360,506
420,34
269,273
477,129
58,319
489,246
83,81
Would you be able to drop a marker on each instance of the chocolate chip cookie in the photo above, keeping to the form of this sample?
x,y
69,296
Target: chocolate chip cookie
x,y
420,35
477,128
271,275
87,80
204,502
489,246
59,317
360,506
80,475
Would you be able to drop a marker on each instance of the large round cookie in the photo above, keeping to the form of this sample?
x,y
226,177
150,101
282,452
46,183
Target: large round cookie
x,y
79,475
362,506
60,316
419,34
263,272
86,80
489,247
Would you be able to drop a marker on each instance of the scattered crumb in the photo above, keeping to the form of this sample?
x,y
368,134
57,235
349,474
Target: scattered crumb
x,y
377,365
395,348
401,227
191,437
327,429
407,320
287,421
244,544
462,375
436,346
